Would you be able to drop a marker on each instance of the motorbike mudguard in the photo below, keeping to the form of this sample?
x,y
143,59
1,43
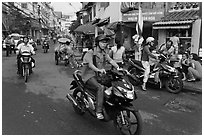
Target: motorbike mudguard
x,y
73,85
128,106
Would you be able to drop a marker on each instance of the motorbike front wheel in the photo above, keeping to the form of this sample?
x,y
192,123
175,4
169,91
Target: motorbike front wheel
x,y
56,60
174,85
128,122
26,73
80,108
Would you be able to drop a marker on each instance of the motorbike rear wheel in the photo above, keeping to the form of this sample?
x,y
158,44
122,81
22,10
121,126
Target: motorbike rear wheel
x,y
80,109
174,85
132,122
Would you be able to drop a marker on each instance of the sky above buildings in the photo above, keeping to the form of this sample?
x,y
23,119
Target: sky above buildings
x,y
67,8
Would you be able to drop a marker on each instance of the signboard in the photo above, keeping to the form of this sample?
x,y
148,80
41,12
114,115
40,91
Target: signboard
x,y
148,15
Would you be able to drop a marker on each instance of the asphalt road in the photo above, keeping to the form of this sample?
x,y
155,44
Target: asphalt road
x,y
39,107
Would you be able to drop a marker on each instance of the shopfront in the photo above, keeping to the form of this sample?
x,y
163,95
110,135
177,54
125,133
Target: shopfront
x,y
186,24
130,17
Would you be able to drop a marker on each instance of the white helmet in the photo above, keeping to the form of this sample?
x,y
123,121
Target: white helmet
x,y
149,39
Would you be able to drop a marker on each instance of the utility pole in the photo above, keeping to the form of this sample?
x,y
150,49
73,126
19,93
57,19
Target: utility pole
x,y
40,30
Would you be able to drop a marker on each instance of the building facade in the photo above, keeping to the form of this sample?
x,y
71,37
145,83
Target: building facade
x,y
183,19
153,13
28,18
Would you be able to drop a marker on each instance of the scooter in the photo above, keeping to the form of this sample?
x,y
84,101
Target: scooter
x,y
167,75
26,65
45,46
117,106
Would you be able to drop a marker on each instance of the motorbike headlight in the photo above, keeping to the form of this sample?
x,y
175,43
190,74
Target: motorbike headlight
x,y
128,94
117,93
171,69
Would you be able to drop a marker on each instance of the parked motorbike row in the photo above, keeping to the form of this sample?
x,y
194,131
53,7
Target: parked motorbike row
x,y
168,76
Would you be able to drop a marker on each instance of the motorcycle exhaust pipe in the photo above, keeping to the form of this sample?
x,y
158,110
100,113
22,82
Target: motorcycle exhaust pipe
x,y
72,99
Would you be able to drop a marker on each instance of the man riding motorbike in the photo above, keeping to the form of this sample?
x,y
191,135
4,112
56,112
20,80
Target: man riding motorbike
x,y
94,61
24,47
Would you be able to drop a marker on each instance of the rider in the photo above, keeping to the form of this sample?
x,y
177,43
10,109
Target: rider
x,y
25,46
94,61
145,59
167,49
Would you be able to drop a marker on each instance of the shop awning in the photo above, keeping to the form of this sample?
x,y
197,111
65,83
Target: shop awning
x,y
177,20
181,15
88,29
172,27
172,22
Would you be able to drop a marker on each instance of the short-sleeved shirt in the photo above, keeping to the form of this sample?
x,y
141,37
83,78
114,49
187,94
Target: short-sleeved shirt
x,y
118,53
25,47
175,40
168,51
87,72
146,53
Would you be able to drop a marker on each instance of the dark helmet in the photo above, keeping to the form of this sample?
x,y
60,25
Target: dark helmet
x,y
25,36
101,37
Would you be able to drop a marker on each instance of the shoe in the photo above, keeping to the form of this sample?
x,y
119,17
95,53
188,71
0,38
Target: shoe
x,y
191,80
144,88
183,79
99,115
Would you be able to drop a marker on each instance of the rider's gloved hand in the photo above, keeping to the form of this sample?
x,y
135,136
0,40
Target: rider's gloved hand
x,y
103,71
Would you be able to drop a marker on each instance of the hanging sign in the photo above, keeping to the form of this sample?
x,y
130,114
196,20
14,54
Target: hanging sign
x,y
148,15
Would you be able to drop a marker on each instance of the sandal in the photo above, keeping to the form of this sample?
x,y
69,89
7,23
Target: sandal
x,y
99,116
191,80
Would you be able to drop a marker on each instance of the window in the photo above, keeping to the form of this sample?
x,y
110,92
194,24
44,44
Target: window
x,y
24,5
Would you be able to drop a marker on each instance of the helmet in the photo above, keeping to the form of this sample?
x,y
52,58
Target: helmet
x,y
149,39
101,37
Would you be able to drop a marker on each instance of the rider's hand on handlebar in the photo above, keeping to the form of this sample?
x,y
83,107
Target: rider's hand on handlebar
x,y
103,71
119,68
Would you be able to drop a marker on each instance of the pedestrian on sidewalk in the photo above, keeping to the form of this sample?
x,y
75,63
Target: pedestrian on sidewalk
x,y
185,65
138,40
117,52
195,69
176,42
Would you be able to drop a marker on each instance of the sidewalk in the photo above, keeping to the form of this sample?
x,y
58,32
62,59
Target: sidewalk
x,y
193,86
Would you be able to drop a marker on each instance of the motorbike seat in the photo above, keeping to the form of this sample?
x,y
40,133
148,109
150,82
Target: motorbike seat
x,y
138,63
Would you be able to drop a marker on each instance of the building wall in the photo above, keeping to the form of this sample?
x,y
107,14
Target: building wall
x,y
115,15
195,40
162,36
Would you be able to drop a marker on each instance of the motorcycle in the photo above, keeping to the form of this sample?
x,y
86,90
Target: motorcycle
x,y
7,47
117,106
168,76
45,46
67,58
26,65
